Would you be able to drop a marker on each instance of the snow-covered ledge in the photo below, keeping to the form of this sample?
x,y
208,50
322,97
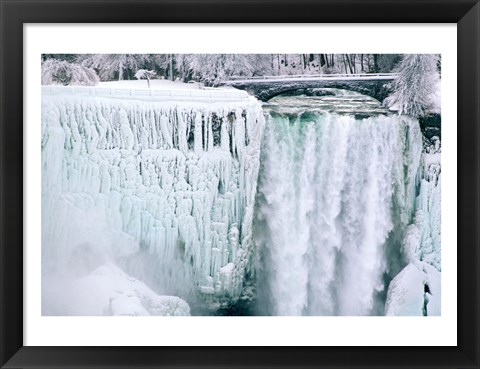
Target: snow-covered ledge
x,y
206,94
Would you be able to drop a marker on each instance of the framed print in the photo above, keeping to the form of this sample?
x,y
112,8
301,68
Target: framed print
x,y
225,184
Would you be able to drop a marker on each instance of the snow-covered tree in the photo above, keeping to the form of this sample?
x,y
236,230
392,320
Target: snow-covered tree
x,y
215,68
261,64
61,72
162,64
416,84
183,66
71,58
145,74
115,66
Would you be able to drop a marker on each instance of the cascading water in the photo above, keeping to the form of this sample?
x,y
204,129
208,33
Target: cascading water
x,y
335,195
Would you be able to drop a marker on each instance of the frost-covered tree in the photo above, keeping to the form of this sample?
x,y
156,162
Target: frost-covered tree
x,y
115,66
416,83
261,64
209,68
162,64
183,66
71,58
61,72
215,68
145,74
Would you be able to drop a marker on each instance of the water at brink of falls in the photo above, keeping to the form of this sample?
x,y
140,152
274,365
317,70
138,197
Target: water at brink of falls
x,y
336,191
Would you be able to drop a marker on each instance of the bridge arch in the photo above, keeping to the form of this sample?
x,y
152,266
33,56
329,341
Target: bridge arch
x,y
375,86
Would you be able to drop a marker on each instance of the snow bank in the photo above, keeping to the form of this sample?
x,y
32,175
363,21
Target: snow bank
x,y
110,291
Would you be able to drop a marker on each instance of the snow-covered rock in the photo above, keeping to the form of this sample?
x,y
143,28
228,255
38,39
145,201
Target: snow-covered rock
x,y
110,291
416,290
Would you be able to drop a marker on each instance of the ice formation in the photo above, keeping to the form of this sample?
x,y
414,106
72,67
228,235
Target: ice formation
x,y
172,181
335,195
423,241
421,246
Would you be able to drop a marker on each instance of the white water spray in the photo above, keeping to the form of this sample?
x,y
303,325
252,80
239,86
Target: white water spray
x,y
332,192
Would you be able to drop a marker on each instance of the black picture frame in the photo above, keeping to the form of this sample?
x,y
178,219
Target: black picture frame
x,y
15,13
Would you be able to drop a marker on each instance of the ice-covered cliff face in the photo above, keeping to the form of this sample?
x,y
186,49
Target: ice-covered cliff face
x,y
421,245
423,241
166,190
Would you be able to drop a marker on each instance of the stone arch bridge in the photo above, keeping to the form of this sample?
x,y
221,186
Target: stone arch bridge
x,y
264,88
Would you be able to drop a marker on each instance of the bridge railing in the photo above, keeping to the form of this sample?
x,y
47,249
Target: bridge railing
x,y
147,94
315,76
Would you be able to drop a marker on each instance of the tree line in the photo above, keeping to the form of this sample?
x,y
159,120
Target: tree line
x,y
212,69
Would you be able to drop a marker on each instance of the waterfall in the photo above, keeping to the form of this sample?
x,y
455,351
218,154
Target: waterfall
x,y
318,205
335,195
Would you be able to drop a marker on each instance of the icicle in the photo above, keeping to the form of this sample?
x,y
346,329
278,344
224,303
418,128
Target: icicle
x,y
182,133
225,136
198,140
210,135
167,137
